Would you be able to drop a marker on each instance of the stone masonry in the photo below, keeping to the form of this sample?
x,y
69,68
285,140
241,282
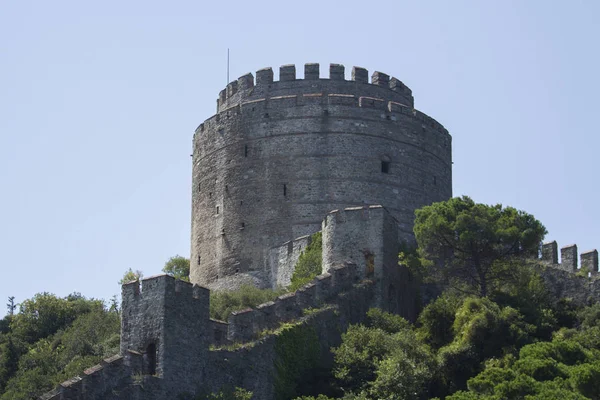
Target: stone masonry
x,y
279,155
170,348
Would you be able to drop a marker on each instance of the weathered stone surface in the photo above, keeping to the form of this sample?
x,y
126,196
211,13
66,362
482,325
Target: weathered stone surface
x,y
279,155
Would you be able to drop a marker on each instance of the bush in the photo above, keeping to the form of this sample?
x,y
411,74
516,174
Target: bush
x,y
436,321
309,263
222,304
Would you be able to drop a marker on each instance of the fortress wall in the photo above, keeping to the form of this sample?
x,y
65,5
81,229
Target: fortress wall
x,y
219,332
166,320
252,366
246,325
367,236
276,161
565,279
98,380
283,259
589,259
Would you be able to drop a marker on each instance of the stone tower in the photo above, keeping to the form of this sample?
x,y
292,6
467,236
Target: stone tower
x,y
279,155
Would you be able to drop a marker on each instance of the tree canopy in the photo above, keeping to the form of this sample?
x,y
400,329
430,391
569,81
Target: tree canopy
x,y
475,244
178,267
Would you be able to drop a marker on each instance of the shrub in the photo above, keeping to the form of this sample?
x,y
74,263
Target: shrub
x,y
309,263
222,304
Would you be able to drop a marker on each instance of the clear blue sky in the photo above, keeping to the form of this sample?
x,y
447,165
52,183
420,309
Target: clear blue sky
x,y
99,101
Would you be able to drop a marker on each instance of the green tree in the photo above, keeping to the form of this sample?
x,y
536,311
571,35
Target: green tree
x,y
476,244
178,267
384,360
44,314
9,361
131,276
11,306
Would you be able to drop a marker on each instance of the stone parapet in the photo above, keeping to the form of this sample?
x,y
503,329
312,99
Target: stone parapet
x,y
244,87
94,381
569,258
247,324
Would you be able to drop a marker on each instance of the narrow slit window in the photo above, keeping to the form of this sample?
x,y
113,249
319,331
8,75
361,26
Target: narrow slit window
x,y
245,150
217,210
284,189
150,359
385,167
435,180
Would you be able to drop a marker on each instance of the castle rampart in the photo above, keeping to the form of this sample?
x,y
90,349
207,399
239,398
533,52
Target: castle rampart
x,y
279,155
169,343
589,259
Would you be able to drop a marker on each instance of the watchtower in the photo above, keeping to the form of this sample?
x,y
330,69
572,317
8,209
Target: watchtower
x,y
279,155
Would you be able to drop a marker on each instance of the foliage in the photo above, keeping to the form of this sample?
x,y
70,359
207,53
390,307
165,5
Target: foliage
x,y
476,243
436,320
565,368
11,306
385,321
131,276
222,304
298,355
178,267
228,393
52,339
384,360
309,263
45,314
482,330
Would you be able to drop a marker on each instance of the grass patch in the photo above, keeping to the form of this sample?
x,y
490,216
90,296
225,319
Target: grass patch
x,y
222,304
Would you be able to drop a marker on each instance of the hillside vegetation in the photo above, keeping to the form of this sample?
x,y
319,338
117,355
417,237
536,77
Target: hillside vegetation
x,y
495,332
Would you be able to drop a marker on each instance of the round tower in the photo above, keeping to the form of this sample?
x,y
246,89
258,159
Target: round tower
x,y
279,155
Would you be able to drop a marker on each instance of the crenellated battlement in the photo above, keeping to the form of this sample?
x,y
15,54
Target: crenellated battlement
x,y
95,379
245,88
568,262
162,286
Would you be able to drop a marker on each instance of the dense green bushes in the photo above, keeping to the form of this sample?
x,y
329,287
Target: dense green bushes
x,y
52,339
465,348
222,304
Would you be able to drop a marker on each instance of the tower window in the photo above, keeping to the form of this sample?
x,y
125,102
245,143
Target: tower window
x,y
242,226
199,258
217,210
199,186
435,180
210,195
284,189
245,150
150,359
385,167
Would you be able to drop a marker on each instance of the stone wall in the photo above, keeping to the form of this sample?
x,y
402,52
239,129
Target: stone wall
x,y
589,259
283,259
100,380
564,279
247,324
279,155
367,237
167,320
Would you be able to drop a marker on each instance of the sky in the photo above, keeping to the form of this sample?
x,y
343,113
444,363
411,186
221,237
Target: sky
x,y
99,102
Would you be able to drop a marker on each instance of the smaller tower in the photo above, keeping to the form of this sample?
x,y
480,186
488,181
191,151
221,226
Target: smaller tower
x,y
167,320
